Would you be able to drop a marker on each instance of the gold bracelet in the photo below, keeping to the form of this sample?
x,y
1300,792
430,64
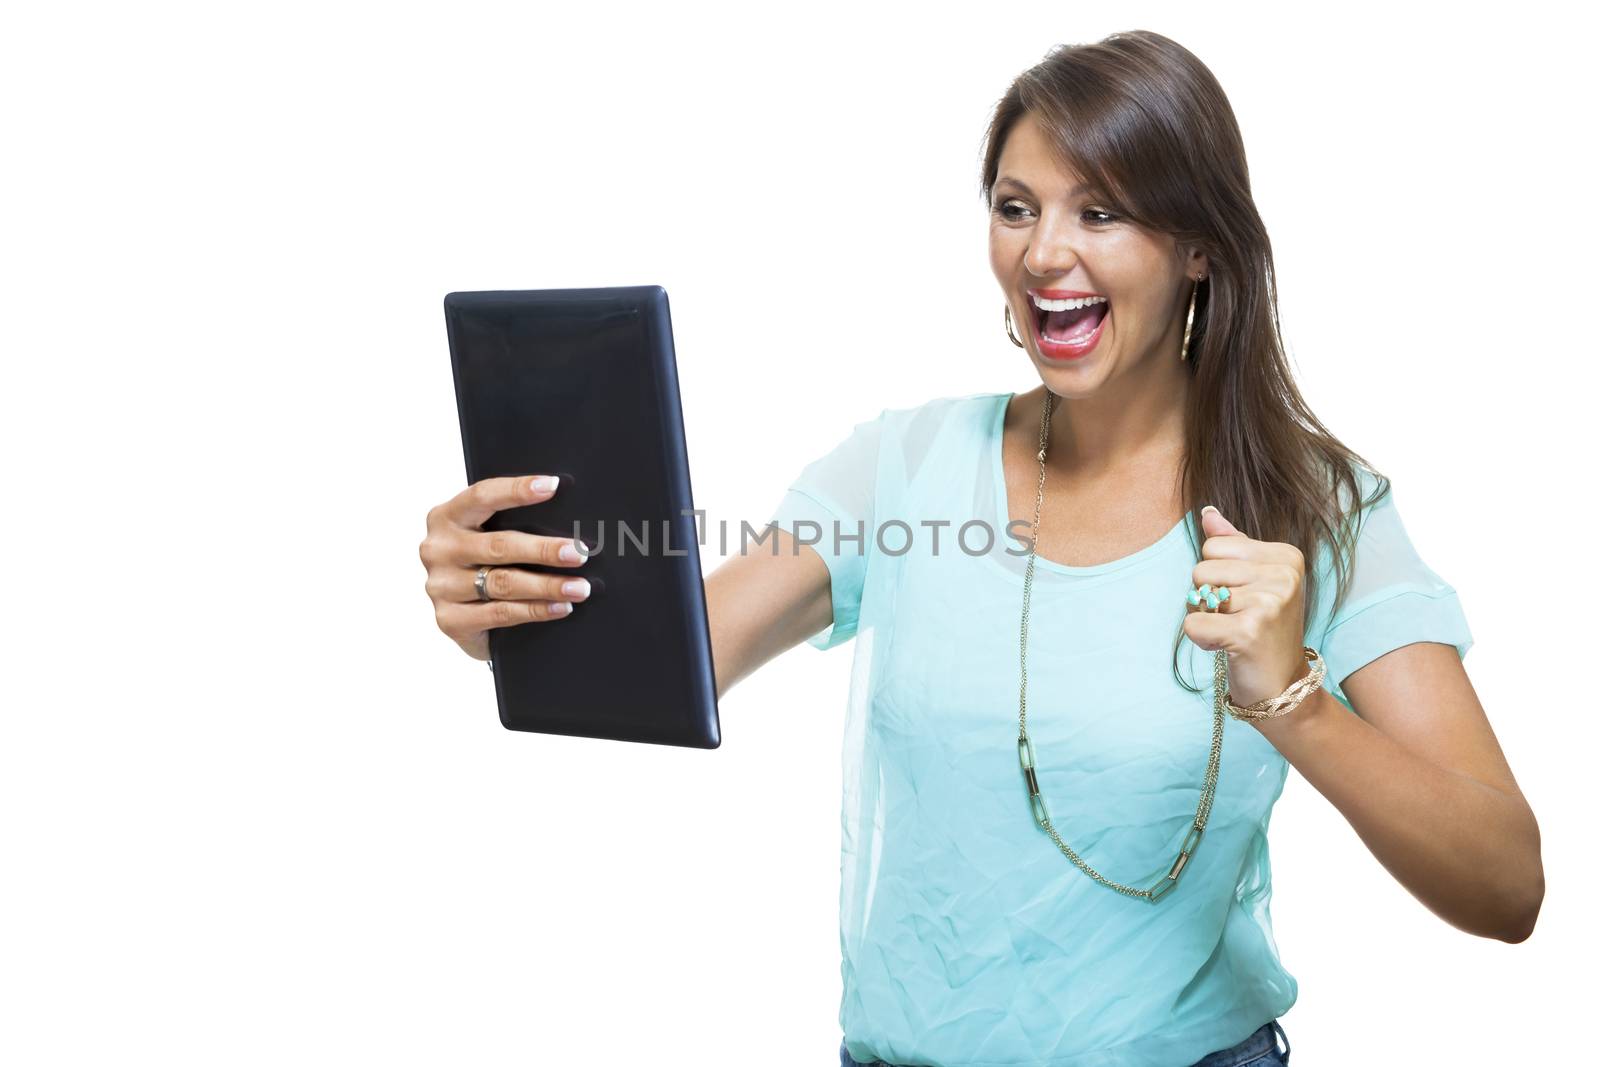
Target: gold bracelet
x,y
1289,699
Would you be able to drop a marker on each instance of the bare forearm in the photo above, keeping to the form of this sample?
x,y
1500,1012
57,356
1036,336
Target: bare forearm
x,y
1467,850
762,603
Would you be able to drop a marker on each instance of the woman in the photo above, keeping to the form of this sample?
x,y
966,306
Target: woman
x,y
1084,879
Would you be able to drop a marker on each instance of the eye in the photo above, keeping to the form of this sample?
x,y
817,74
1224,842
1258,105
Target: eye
x,y
1011,210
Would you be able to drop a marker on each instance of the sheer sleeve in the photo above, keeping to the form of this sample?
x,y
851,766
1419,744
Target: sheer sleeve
x,y
1394,598
830,507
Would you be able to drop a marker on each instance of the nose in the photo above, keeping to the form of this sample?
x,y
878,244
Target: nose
x,y
1051,251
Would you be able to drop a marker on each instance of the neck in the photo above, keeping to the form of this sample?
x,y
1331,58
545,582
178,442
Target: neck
x,y
1131,419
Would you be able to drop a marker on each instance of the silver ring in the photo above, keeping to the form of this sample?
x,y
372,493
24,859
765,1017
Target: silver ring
x,y
480,581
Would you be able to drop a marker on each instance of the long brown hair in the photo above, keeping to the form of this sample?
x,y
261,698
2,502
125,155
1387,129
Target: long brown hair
x,y
1146,124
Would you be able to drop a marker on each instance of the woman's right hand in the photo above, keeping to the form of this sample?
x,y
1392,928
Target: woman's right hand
x,y
456,547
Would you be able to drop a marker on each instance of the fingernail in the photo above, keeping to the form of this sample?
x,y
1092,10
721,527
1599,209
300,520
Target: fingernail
x,y
578,587
1208,507
544,483
570,553
560,607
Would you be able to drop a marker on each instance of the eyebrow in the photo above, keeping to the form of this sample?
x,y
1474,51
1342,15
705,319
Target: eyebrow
x,y
1077,190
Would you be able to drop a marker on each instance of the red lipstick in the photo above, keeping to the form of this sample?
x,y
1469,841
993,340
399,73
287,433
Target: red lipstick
x,y
1060,351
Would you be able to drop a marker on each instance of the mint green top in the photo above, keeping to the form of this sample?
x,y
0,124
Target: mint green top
x,y
968,938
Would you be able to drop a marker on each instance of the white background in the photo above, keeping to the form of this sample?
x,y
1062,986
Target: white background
x,y
257,809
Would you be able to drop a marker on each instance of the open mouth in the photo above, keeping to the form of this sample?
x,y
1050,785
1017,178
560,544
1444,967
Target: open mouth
x,y
1070,327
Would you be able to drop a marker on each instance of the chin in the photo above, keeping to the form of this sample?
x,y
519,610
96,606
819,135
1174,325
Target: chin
x,y
1069,385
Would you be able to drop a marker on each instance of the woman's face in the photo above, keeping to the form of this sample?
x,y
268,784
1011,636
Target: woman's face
x,y
1046,233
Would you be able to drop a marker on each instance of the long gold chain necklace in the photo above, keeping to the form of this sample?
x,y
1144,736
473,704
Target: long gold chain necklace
x,y
1041,814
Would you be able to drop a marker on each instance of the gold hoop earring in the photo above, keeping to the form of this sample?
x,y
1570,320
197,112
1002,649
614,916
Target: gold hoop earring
x,y
1188,325
1009,334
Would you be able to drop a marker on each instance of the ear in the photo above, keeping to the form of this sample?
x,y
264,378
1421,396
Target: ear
x,y
1193,262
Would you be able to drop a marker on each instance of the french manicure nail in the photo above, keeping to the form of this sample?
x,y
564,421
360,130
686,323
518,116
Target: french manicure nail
x,y
544,483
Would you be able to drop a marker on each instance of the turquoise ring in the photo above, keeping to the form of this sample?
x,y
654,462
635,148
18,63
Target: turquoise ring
x,y
1208,598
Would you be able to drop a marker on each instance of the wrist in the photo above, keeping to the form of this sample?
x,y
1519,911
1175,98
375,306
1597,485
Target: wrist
x,y
1307,716
1286,700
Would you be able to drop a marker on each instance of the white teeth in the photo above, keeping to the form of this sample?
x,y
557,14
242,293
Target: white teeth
x,y
1065,305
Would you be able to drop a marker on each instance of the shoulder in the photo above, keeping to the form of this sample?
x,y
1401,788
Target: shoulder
x,y
1356,511
1361,494
921,419
908,436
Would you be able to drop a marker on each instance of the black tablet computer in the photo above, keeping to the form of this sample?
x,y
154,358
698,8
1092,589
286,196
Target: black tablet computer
x,y
583,383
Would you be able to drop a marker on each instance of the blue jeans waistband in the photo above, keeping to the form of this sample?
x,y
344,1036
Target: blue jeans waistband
x,y
1258,1044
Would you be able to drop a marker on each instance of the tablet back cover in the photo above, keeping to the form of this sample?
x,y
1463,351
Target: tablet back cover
x,y
583,383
